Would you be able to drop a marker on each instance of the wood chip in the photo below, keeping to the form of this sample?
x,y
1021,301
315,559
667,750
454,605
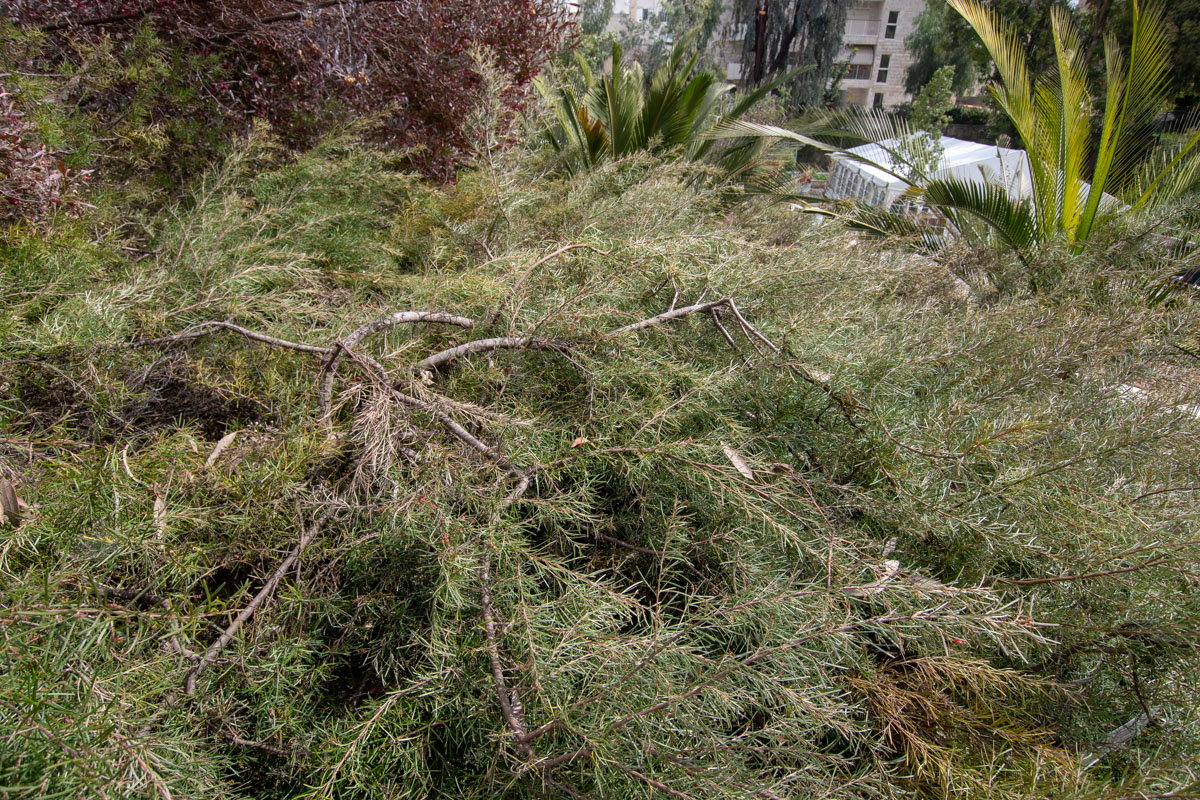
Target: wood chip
x,y
580,440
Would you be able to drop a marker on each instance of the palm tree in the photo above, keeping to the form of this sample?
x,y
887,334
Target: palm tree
x,y
1053,116
614,115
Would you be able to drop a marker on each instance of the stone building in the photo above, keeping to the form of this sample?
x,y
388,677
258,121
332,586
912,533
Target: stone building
x,y
873,44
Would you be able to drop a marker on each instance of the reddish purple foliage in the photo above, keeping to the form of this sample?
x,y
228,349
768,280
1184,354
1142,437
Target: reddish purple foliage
x,y
299,68
32,181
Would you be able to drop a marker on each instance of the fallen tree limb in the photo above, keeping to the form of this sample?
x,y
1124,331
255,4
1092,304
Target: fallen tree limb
x,y
356,337
205,328
246,613
487,345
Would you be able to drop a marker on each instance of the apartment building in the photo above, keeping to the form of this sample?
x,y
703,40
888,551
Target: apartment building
x,y
873,45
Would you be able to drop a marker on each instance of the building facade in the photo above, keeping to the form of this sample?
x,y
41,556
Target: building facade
x,y
873,46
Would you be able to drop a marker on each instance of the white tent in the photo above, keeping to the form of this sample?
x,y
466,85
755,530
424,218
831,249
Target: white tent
x,y
851,179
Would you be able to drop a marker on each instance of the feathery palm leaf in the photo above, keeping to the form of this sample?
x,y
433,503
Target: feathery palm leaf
x,y
615,116
1010,219
1052,117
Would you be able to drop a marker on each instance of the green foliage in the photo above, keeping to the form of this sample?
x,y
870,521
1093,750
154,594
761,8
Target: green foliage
x,y
929,117
925,547
1073,188
615,115
1182,21
1053,118
802,38
939,39
139,112
931,108
651,41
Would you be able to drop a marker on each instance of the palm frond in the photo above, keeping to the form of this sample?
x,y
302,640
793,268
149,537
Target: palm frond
x,y
1012,220
1135,94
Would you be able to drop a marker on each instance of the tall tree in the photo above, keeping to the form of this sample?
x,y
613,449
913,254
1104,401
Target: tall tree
x,y
941,37
796,33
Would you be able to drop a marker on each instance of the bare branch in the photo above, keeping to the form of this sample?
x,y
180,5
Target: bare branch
x,y
674,314
356,338
750,329
205,328
246,613
552,255
1085,576
487,345
515,723
716,318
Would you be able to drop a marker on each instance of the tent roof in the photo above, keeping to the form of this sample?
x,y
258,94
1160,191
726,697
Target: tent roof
x,y
955,153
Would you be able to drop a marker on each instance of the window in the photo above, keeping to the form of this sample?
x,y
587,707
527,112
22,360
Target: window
x,y
884,62
645,14
859,72
878,100
890,31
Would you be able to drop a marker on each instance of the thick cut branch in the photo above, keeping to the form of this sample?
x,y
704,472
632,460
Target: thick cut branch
x,y
246,613
487,345
355,338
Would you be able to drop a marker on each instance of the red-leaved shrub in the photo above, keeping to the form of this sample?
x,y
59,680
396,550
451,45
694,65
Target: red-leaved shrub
x,y
33,182
304,67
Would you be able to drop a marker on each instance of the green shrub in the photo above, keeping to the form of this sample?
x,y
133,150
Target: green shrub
x,y
925,547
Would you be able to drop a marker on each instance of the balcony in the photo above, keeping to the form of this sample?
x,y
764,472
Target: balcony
x,y
861,30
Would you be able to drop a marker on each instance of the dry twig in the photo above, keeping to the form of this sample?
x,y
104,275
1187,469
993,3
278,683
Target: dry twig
x,y
214,650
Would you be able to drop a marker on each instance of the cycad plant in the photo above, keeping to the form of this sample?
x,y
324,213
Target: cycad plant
x,y
615,115
1053,115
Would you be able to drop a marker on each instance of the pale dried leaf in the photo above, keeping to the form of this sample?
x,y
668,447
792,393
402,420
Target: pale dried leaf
x,y
738,462
160,514
10,504
224,442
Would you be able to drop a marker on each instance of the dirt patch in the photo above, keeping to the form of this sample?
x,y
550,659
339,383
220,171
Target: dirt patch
x,y
171,396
